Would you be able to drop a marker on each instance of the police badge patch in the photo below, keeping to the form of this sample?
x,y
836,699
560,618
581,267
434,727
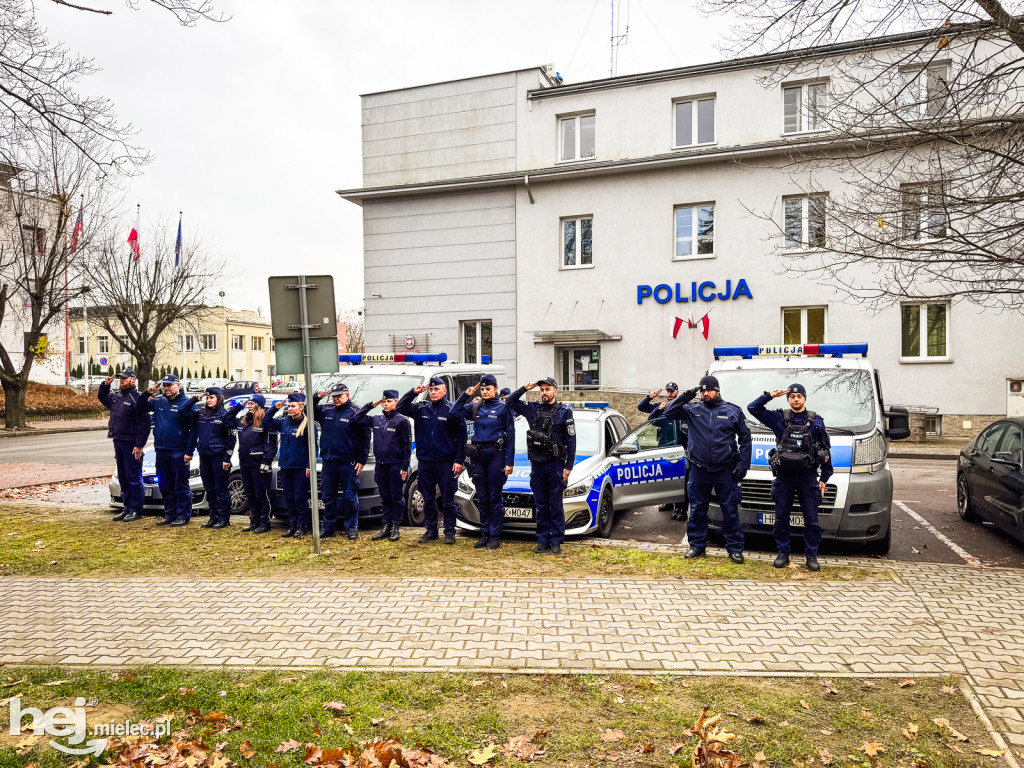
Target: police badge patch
x,y
571,428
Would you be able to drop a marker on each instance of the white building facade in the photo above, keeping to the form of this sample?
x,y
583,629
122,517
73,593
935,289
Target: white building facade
x,y
567,229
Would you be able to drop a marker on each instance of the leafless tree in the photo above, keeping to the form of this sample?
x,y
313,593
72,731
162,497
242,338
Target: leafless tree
x,y
912,151
142,299
355,333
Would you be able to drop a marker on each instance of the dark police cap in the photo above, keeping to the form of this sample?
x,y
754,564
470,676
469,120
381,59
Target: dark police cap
x,y
170,378
799,388
127,373
296,397
339,389
505,391
488,380
549,381
671,387
214,391
436,382
709,384
260,400
390,394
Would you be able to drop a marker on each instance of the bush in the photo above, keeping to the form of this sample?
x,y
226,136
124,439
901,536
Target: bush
x,y
45,399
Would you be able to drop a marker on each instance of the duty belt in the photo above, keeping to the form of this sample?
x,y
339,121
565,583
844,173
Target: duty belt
x,y
490,443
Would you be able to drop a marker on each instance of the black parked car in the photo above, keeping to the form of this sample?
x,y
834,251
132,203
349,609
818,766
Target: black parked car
x,y
245,387
990,477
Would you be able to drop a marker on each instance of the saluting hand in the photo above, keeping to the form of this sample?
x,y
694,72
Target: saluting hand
x,y
654,394
320,394
474,389
108,379
531,385
419,388
778,392
378,402
152,389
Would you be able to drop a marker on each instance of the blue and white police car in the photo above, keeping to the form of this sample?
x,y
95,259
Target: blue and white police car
x,y
616,468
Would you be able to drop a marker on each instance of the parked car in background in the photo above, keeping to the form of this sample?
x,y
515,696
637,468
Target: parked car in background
x,y
990,477
243,387
286,387
198,386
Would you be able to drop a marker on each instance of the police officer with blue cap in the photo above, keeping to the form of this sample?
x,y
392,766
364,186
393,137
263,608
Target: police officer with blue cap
x,y
129,431
293,463
440,454
718,457
802,449
173,423
392,452
214,437
503,395
668,432
344,449
257,447
491,454
551,448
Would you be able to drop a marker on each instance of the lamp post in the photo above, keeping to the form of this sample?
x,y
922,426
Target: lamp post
x,y
85,330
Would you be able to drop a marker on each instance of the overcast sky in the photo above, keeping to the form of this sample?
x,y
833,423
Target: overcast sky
x,y
255,122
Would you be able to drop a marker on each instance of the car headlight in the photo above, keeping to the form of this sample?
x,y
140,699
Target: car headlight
x,y
193,472
870,453
579,489
466,483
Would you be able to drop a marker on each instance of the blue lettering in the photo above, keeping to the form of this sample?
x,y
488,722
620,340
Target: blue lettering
x,y
642,292
742,290
693,295
702,288
657,294
725,293
678,297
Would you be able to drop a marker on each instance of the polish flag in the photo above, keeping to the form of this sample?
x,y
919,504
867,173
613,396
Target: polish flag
x,y
133,239
689,320
705,325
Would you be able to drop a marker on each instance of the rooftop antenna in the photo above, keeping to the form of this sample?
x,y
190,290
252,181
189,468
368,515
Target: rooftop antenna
x,y
617,39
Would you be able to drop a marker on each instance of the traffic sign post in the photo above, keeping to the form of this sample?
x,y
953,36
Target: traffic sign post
x,y
302,314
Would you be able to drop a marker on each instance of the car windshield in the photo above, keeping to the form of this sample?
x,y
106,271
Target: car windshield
x,y
588,436
843,398
367,387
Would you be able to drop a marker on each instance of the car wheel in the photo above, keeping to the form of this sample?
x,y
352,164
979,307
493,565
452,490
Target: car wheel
x,y
964,503
880,546
605,516
236,492
414,512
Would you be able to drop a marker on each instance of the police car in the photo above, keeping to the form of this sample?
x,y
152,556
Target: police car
x,y
615,469
845,390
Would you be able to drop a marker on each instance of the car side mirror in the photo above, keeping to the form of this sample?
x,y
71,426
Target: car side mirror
x,y
625,449
897,423
1005,457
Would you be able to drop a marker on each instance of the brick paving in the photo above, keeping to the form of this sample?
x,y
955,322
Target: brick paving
x,y
38,473
931,619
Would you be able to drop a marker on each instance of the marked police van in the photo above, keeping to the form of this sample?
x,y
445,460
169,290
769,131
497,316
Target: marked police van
x,y
845,390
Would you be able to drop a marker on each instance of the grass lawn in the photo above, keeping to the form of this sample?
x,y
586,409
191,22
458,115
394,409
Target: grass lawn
x,y
54,541
780,722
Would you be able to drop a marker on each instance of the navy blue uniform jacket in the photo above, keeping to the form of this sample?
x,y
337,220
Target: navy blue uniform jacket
x,y
775,420
125,423
173,420
439,435
563,422
256,447
392,437
214,433
494,420
293,451
341,438
713,430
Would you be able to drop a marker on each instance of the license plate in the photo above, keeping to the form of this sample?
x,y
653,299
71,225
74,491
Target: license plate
x,y
148,491
519,513
795,521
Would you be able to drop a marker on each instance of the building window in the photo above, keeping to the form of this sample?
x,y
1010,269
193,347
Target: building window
x,y
122,344
803,107
208,342
578,242
931,342
803,325
238,342
81,345
476,340
576,137
33,240
271,345
103,343
923,214
695,118
804,224
186,342
257,343
695,223
580,368
923,92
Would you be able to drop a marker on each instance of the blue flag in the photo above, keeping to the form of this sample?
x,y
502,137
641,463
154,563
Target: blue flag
x,y
177,245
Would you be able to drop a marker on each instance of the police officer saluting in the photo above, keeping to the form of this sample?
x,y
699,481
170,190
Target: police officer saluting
x,y
667,432
714,460
214,437
802,449
392,450
503,395
173,422
344,449
491,454
257,447
551,447
440,454
129,431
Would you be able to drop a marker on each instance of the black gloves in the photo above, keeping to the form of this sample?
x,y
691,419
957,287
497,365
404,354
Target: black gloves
x,y
739,472
689,394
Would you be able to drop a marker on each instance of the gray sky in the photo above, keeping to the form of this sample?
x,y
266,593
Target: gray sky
x,y
255,122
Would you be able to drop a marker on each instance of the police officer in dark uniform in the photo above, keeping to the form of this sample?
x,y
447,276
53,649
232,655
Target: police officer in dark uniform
x,y
714,460
344,449
293,463
173,422
257,447
668,433
214,437
392,451
803,447
129,431
503,395
440,454
551,447
491,454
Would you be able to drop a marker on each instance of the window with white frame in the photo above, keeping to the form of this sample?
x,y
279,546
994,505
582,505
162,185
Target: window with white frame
x,y
804,225
103,344
257,344
476,340
271,345
803,107
577,242
576,137
208,342
803,325
923,215
924,332
81,345
122,344
695,231
694,121
237,342
186,342
923,91
33,240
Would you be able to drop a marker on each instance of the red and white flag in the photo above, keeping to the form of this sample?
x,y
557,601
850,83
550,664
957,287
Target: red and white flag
x,y
133,238
705,324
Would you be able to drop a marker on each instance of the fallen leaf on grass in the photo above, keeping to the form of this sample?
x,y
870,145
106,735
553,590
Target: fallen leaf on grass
x,y
313,753
483,755
523,748
687,733
826,756
756,720
826,732
760,757
377,721
910,731
11,684
872,748
944,723
676,747
990,752
956,748
612,735
865,714
246,749
784,724
57,682
646,749
288,746
907,683
948,689
348,729
804,704
337,707
26,743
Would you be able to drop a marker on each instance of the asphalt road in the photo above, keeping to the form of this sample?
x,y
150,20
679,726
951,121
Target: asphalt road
x,y
91,447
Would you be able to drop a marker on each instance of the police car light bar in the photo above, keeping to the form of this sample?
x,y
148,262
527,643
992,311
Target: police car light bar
x,y
792,350
397,357
585,404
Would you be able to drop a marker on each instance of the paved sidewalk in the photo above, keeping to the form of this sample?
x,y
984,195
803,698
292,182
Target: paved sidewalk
x,y
930,620
38,473
56,427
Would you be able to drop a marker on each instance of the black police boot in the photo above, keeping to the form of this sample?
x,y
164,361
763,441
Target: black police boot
x,y
482,541
554,549
132,516
665,508
683,515
677,515
166,521
119,518
304,531
252,526
352,535
394,533
209,523
736,557
812,563
494,542
262,528
428,536
449,538
181,521
782,560
291,532
326,533
382,534
540,549
222,524
693,552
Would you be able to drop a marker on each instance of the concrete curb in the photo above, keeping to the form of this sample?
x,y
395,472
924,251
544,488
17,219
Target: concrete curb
x,y
936,456
29,432
54,482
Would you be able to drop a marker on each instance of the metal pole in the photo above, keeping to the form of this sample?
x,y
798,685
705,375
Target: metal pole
x,y
85,330
307,369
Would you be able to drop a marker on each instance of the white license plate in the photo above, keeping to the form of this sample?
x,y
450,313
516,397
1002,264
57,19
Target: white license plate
x,y
520,513
148,491
795,521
